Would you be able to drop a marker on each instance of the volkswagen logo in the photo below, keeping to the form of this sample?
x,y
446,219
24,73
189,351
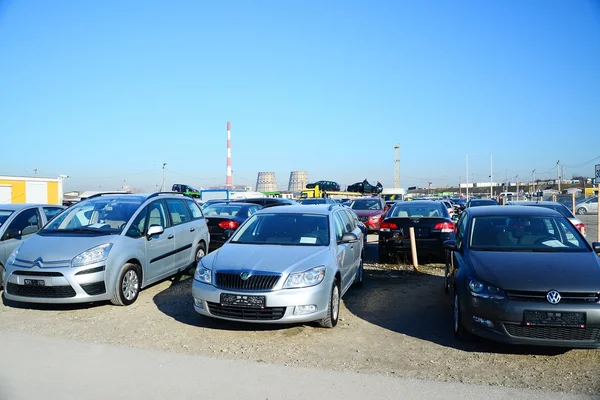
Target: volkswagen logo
x,y
553,297
245,275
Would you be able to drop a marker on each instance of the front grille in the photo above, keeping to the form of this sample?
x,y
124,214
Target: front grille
x,y
553,333
244,313
227,280
94,288
37,273
565,297
50,292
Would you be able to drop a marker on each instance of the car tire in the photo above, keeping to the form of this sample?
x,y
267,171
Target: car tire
x,y
200,252
459,331
1,275
333,310
581,211
358,280
128,285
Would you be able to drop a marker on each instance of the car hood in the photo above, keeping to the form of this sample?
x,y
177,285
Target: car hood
x,y
367,213
267,258
537,271
59,248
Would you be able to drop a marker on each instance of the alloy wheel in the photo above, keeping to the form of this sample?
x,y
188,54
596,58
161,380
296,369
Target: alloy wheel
x,y
130,285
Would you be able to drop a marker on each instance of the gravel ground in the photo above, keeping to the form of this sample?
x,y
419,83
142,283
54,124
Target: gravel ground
x,y
399,323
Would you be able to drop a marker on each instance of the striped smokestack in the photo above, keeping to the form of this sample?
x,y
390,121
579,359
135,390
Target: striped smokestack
x,y
229,180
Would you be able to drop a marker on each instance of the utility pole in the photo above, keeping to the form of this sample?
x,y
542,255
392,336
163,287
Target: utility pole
x,y
467,177
558,174
491,178
162,188
533,173
397,166
459,190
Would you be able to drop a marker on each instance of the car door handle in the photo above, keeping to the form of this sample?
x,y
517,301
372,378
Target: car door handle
x,y
171,236
192,229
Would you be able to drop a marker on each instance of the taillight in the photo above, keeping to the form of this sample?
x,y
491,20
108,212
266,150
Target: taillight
x,y
387,226
444,227
229,224
581,228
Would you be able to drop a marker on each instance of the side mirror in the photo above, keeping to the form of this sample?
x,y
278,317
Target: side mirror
x,y
12,234
155,230
596,247
349,237
451,245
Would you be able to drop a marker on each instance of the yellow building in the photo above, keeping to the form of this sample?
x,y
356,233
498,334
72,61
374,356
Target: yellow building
x,y
21,189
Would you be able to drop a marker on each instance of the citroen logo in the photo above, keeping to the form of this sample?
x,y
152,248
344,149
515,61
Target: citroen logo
x,y
244,275
553,297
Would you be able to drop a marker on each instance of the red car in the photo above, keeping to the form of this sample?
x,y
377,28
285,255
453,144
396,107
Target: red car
x,y
371,211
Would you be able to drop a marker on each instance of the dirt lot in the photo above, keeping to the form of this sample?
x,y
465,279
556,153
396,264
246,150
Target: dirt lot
x,y
399,324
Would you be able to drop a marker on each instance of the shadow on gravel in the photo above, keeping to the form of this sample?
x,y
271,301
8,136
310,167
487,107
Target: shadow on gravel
x,y
414,304
176,301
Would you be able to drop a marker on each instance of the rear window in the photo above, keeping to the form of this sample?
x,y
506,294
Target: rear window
x,y
219,210
433,210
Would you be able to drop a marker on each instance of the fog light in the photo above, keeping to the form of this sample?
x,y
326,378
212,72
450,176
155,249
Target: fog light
x,y
198,303
303,310
482,321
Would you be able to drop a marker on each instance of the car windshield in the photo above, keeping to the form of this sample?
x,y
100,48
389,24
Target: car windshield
x,y
366,205
99,215
284,229
4,214
222,210
526,233
432,210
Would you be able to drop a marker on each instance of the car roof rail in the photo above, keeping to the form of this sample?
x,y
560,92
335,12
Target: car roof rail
x,y
104,194
155,194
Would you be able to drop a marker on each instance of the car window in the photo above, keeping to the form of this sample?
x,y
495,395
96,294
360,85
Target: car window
x,y
222,210
26,222
351,217
284,229
366,205
4,214
195,211
138,226
178,211
252,210
433,210
51,212
346,221
339,227
461,229
158,215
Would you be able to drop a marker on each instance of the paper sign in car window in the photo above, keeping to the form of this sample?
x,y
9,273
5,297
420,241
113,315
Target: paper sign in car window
x,y
308,240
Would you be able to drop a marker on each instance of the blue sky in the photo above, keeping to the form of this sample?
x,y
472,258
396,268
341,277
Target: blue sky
x,y
107,91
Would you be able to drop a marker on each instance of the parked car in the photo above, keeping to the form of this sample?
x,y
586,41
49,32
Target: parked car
x,y
107,247
328,186
18,222
268,201
557,207
360,224
212,201
365,187
524,275
224,218
283,265
317,200
588,206
449,206
370,210
181,188
473,202
430,220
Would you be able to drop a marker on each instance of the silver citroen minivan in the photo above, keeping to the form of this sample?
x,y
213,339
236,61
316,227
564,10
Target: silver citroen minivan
x,y
108,247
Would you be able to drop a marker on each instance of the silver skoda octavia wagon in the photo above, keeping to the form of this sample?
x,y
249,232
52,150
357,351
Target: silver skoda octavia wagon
x,y
107,247
283,265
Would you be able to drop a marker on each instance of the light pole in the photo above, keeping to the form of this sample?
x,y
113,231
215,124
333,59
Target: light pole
x,y
162,188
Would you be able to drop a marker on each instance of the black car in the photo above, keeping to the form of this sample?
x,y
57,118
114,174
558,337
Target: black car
x,y
524,275
268,201
181,188
431,221
328,186
224,218
365,187
318,200
481,202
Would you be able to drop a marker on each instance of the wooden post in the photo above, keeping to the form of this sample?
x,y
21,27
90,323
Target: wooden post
x,y
554,198
413,248
573,202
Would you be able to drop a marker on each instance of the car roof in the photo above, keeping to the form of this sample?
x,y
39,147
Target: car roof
x,y
419,202
536,203
515,210
20,206
302,209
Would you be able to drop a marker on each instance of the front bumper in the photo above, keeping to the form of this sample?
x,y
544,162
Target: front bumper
x,y
506,318
280,304
62,285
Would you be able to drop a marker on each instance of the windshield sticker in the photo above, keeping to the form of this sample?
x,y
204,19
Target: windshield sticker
x,y
308,240
553,243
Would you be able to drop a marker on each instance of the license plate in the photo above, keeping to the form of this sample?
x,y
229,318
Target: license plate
x,y
554,318
240,300
34,282
421,232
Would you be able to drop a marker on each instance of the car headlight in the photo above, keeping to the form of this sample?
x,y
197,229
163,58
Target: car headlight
x,y
92,256
485,290
203,274
307,278
13,256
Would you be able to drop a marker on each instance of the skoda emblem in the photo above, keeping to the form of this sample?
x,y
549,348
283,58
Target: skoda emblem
x,y
244,275
553,297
